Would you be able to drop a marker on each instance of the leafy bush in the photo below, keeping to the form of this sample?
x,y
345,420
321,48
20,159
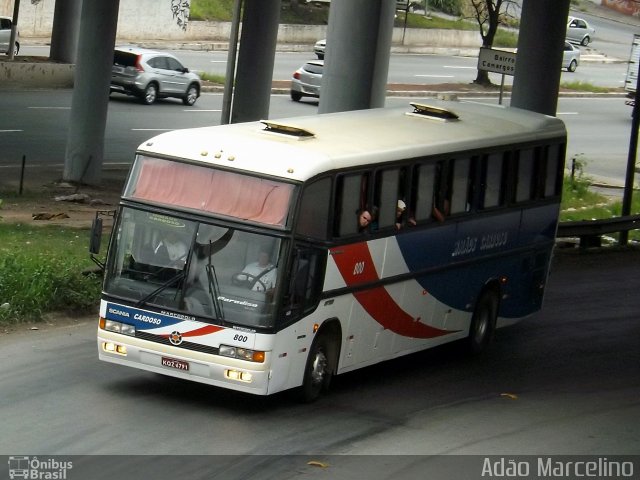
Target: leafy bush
x,y
44,270
450,7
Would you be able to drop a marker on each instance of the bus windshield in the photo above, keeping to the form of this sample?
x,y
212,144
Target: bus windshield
x,y
221,274
210,190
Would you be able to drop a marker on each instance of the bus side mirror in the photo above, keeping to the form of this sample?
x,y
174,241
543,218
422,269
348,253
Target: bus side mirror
x,y
96,236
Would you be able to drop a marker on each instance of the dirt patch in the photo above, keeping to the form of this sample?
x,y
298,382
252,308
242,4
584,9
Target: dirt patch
x,y
50,321
41,198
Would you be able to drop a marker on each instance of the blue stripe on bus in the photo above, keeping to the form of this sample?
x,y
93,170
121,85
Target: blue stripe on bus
x,y
141,319
497,237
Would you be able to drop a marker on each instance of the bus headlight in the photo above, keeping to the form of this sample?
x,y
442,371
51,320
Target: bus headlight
x,y
238,375
111,347
242,353
117,327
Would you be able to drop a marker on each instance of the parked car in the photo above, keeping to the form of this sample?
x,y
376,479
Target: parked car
x,y
5,36
579,31
570,57
306,80
320,47
150,75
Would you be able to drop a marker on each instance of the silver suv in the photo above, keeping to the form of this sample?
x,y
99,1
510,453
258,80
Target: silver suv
x,y
5,36
149,75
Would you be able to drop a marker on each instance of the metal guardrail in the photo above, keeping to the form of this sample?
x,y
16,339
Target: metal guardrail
x,y
590,231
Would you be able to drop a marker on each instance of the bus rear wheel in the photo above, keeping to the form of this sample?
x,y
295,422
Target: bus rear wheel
x,y
483,322
318,371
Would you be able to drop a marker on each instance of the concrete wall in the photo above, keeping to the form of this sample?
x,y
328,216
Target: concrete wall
x,y
628,7
136,18
36,75
153,20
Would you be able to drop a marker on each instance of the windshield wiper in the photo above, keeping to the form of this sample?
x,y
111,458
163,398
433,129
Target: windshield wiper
x,y
179,276
214,288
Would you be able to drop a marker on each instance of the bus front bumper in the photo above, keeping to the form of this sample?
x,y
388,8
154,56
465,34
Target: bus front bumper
x,y
186,364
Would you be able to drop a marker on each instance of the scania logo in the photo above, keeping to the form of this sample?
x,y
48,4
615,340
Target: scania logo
x,y
175,338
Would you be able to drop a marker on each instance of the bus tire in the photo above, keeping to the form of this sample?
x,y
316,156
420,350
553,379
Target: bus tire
x,y
317,371
483,322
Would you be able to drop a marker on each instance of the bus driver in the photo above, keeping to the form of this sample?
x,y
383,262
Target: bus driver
x,y
259,276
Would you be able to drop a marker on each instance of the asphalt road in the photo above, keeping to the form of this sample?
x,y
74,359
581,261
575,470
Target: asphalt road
x,y
36,124
564,382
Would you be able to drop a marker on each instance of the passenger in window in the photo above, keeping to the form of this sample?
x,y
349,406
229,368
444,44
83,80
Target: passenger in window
x,y
259,276
367,220
440,212
401,213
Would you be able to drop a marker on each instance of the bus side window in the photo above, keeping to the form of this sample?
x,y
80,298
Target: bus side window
x,y
526,169
385,196
492,191
349,201
553,173
423,191
305,285
314,209
442,191
461,193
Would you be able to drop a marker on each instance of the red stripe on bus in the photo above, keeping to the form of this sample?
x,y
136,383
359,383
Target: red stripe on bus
x,y
198,331
356,266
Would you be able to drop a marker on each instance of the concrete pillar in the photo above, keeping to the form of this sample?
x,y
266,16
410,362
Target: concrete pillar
x,y
356,62
65,30
89,104
543,26
256,57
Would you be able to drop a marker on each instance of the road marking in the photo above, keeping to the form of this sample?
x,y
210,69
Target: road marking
x,y
436,76
10,131
152,129
567,113
218,61
50,108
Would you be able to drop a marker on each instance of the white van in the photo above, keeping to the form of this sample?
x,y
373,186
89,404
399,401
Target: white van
x,y
5,36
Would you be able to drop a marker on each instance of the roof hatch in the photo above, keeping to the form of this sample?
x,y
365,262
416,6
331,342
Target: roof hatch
x,y
287,130
430,111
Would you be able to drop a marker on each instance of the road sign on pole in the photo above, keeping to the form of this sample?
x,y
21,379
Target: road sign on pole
x,y
497,61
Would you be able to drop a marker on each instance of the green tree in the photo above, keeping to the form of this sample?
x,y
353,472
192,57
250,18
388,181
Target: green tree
x,y
490,14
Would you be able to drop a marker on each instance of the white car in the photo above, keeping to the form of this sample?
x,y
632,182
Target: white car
x,y
579,31
320,47
149,75
570,57
306,80
5,36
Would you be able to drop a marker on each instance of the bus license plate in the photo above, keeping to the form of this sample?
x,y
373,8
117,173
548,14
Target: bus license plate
x,y
175,363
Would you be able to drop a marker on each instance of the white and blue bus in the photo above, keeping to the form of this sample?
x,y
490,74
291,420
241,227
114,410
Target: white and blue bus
x,y
238,258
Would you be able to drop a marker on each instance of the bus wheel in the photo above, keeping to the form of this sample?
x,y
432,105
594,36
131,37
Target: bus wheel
x,y
317,373
483,322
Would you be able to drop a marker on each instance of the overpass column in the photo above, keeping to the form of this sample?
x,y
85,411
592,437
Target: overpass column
x,y
256,57
543,26
90,100
64,34
356,63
